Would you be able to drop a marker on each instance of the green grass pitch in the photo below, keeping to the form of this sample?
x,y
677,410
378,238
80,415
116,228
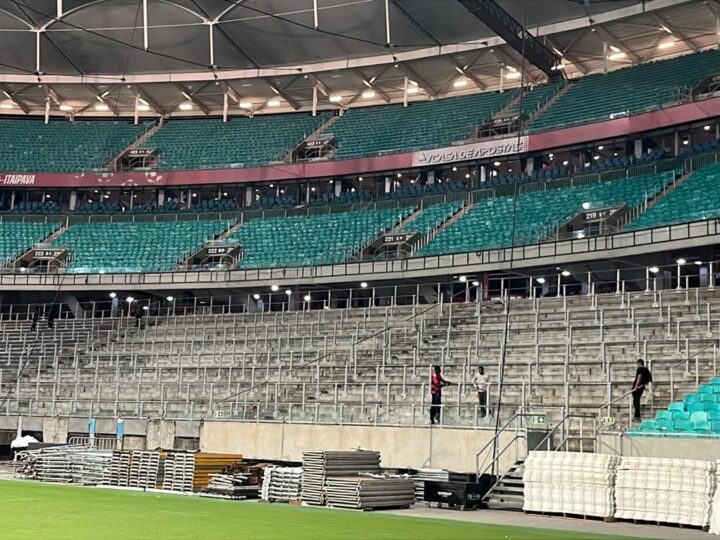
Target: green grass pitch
x,y
52,511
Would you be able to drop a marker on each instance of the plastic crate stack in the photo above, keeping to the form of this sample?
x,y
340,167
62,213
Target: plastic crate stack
x,y
570,483
665,490
281,484
178,470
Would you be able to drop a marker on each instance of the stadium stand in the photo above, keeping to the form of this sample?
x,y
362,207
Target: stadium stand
x,y
489,223
697,198
37,207
60,146
418,190
431,217
393,128
240,142
533,99
134,247
697,415
16,237
631,90
312,239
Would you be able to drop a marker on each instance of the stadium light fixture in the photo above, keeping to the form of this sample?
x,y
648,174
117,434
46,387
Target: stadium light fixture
x,y
143,108
364,285
65,108
399,175
256,296
666,44
101,107
580,234
460,83
274,288
413,90
613,48
113,295
496,163
462,279
186,106
360,178
586,205
368,94
475,283
454,168
596,157
245,105
513,75
335,98
170,298
601,147
273,103
681,261
467,175
565,273
698,263
146,308
617,56
551,155
540,280
288,292
686,142
307,298
654,269
130,299
706,128
565,163
8,104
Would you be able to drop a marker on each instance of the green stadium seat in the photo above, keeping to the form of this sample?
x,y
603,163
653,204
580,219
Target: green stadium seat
x,y
16,237
664,415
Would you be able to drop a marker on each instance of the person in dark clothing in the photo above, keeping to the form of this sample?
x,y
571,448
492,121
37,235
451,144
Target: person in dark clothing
x,y
436,385
35,319
643,377
51,318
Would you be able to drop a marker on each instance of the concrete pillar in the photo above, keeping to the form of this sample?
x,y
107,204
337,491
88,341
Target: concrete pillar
x,y
248,196
338,188
160,434
12,200
483,173
638,148
307,193
676,145
430,177
388,184
161,197
529,165
55,430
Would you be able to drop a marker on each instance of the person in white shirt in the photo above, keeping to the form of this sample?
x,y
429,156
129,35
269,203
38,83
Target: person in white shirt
x,y
481,382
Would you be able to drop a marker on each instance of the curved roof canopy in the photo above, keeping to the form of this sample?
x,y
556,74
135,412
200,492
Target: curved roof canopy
x,y
262,54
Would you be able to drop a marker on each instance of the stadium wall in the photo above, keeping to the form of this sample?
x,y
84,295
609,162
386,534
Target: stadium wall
x,y
419,447
659,447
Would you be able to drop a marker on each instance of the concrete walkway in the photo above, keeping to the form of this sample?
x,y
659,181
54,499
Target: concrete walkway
x,y
520,519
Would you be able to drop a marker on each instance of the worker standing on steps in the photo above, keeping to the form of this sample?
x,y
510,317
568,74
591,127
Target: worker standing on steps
x,y
436,385
643,377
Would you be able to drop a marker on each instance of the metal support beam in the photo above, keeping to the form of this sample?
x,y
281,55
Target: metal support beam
x,y
137,92
500,22
191,97
280,91
612,39
676,31
466,72
14,97
421,81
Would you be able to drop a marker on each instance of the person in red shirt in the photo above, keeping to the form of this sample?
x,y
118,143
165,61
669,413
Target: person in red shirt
x,y
436,385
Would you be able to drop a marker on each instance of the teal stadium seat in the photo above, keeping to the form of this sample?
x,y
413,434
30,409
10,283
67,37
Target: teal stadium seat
x,y
61,146
16,237
135,247
431,217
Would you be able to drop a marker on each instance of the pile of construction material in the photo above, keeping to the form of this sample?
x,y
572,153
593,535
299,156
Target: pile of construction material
x,y
570,483
715,506
89,466
665,490
428,475
207,464
144,469
320,465
178,469
370,492
118,474
237,481
281,484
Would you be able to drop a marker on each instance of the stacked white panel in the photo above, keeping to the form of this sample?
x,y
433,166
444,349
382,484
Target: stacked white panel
x,y
665,490
569,483
715,506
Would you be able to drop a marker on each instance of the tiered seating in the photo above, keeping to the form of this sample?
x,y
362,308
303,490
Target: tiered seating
x,y
346,197
632,90
276,202
489,223
61,146
98,207
546,173
134,247
700,148
37,207
533,99
431,217
697,415
16,237
239,142
697,198
428,124
313,239
622,162
418,190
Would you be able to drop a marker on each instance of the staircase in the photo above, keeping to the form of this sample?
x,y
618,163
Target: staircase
x,y
288,157
437,230
549,103
112,164
507,493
